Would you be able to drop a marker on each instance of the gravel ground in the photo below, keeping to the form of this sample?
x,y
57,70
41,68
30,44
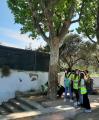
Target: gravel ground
x,y
94,115
88,116
94,100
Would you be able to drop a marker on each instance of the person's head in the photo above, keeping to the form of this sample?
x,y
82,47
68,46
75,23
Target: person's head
x,y
77,72
81,75
68,70
86,71
73,71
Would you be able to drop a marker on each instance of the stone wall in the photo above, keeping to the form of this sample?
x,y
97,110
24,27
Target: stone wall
x,y
20,81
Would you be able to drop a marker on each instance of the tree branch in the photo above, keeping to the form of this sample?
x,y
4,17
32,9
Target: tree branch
x,y
67,62
36,22
88,35
80,14
97,59
48,13
43,34
77,60
67,23
90,38
64,29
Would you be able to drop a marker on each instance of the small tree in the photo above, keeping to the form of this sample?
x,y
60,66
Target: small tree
x,y
89,53
44,49
5,71
70,51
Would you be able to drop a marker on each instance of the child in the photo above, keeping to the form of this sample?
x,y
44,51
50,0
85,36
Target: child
x,y
76,87
66,85
83,92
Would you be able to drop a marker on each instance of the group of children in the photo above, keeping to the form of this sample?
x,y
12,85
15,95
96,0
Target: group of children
x,y
75,82
77,86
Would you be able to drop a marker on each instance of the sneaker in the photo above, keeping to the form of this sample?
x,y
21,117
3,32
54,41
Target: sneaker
x,y
64,99
88,111
78,103
75,104
71,100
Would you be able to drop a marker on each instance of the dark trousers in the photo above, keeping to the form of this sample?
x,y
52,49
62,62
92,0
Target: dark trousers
x,y
71,90
76,94
86,103
60,91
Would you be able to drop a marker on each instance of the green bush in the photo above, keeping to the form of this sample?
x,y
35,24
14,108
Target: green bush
x,y
5,71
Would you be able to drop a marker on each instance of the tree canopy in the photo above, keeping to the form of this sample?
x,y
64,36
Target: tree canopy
x,y
51,19
38,17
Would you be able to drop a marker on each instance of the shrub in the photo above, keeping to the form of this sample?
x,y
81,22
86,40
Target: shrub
x,y
5,71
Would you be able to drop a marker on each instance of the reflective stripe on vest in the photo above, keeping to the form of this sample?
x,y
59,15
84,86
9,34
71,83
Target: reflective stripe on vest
x,y
83,90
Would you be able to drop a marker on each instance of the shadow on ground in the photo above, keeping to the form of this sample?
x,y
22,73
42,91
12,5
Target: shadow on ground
x,y
88,116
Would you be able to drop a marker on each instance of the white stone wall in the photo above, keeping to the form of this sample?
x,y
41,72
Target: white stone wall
x,y
20,81
23,81
96,82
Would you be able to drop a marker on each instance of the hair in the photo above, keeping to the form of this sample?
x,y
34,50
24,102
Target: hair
x,y
86,71
75,75
65,74
81,75
68,70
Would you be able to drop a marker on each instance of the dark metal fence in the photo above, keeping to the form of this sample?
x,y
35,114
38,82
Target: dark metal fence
x,y
24,59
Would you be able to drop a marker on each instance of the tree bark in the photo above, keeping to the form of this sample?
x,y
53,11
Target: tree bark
x,y
53,68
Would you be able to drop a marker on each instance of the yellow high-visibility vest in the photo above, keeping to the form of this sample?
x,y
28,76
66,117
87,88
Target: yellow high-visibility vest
x,y
71,76
75,83
83,90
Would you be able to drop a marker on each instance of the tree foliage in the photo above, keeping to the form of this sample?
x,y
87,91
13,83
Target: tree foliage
x,y
40,16
90,55
44,49
89,26
90,20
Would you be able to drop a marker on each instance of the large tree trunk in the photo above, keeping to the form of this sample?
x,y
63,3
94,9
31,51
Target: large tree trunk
x,y
53,68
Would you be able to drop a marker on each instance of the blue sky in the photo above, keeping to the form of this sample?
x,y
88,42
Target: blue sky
x,y
10,32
